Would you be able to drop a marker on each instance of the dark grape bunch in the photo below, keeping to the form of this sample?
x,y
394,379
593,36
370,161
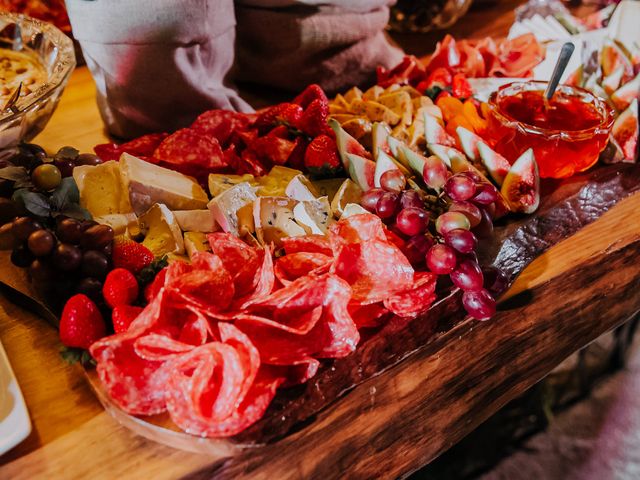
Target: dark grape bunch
x,y
444,236
72,257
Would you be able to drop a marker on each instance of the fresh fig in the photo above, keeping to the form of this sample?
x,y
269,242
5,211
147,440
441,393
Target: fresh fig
x,y
496,164
623,97
612,82
379,134
361,171
460,164
384,163
346,144
469,143
625,131
521,186
434,132
444,153
414,161
393,144
613,57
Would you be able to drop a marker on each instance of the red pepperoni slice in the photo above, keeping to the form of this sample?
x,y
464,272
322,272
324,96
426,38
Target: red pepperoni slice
x,y
415,300
368,316
241,260
221,124
204,284
356,229
374,269
295,265
191,152
308,243
143,146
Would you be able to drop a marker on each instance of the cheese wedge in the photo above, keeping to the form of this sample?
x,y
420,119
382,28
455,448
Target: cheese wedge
x,y
195,242
225,206
196,221
119,222
102,191
313,215
162,233
274,220
149,184
352,209
300,188
219,182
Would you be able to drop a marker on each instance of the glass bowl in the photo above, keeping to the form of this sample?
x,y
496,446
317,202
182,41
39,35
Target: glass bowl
x,y
559,152
421,16
30,113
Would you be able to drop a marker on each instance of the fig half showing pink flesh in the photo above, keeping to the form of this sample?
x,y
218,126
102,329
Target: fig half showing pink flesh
x,y
496,164
521,186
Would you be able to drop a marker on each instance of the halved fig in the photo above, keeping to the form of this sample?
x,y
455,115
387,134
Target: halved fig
x,y
361,171
444,153
384,163
434,132
623,97
496,164
379,134
346,144
469,142
625,131
521,187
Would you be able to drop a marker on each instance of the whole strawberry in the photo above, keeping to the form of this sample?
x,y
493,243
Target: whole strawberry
x,y
123,315
280,114
81,323
313,121
120,288
130,255
309,94
321,158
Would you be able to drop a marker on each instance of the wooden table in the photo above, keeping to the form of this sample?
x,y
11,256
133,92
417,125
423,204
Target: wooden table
x,y
486,364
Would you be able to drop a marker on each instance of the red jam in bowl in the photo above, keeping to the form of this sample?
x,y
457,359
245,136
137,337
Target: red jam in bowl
x,y
567,133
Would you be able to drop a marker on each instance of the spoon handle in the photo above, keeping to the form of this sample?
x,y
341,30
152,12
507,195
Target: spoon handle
x,y
561,65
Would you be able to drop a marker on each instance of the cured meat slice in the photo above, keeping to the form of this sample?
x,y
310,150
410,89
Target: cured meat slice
x,y
416,299
296,265
204,284
221,124
375,269
307,243
239,259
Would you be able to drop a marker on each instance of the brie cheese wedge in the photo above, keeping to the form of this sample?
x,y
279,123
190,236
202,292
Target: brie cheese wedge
x,y
149,184
274,219
102,191
162,233
225,206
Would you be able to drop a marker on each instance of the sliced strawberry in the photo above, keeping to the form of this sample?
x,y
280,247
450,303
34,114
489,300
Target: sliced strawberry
x,y
283,113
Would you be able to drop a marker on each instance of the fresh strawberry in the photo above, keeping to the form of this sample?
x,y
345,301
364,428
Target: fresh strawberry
x,y
130,255
282,113
311,93
296,159
321,157
120,288
460,86
153,288
440,77
314,119
81,323
123,315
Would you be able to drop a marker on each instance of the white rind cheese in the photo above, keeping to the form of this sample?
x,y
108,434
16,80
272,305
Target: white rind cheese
x,y
196,221
225,206
102,191
149,184
162,233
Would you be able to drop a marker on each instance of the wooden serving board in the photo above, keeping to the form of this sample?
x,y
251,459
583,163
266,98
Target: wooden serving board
x,y
296,413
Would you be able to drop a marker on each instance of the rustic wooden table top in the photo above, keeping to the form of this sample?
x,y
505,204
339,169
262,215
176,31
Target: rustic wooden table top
x,y
73,437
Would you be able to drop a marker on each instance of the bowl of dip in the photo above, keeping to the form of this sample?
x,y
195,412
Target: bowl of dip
x,y
36,61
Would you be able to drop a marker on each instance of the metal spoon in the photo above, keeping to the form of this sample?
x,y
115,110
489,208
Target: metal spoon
x,y
11,102
561,65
